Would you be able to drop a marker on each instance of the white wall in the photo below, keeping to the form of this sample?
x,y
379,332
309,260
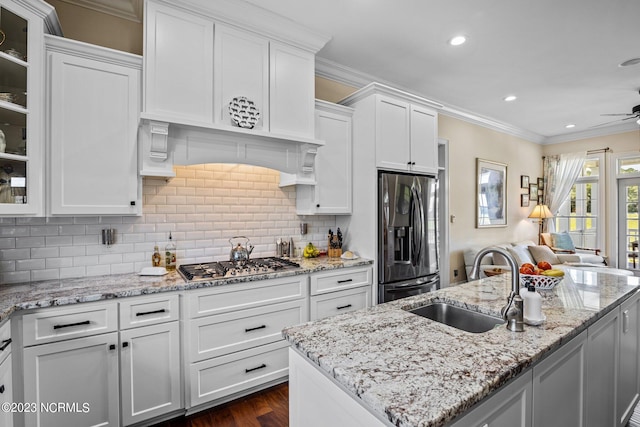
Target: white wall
x,y
203,206
467,142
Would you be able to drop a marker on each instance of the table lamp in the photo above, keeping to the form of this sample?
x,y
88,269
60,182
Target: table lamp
x,y
541,212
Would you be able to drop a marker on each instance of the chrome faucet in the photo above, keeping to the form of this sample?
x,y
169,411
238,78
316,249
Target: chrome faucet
x,y
513,311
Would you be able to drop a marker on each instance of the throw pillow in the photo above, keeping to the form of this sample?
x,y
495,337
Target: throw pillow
x,y
543,253
499,259
521,254
562,241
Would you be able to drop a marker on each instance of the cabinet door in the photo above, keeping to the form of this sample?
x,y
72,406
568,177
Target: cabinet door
x,y
93,141
6,391
392,134
292,90
509,407
178,64
82,372
424,140
602,358
242,69
150,373
629,357
333,164
559,386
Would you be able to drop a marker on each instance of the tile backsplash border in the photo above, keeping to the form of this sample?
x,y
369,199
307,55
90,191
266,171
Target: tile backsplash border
x,y
203,206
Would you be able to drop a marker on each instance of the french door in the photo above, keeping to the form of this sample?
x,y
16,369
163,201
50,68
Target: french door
x,y
628,223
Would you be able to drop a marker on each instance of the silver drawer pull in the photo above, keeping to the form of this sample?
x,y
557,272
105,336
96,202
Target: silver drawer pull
x,y
5,344
255,369
345,281
342,307
256,328
69,325
146,313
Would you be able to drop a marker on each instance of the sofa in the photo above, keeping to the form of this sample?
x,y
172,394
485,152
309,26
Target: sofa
x,y
528,251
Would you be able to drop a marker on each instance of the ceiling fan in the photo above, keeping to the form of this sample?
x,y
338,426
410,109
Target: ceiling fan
x,y
634,114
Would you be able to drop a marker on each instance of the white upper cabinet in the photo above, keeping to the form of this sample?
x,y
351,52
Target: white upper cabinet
x,y
242,70
331,191
94,105
178,58
406,128
292,90
200,57
22,105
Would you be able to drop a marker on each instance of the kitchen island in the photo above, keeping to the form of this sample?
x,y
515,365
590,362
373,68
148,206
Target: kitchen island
x,y
406,370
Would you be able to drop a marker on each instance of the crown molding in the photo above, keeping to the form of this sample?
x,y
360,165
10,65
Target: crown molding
x,y
593,133
46,12
125,9
93,52
350,77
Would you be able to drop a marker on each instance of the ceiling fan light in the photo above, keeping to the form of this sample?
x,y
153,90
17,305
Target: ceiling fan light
x,y
638,121
629,62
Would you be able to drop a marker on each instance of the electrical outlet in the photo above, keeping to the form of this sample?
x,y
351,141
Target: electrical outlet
x,y
455,273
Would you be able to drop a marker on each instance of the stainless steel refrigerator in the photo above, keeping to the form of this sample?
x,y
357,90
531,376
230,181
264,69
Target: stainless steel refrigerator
x,y
408,262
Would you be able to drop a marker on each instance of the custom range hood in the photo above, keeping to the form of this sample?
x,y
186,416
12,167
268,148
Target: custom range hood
x,y
227,82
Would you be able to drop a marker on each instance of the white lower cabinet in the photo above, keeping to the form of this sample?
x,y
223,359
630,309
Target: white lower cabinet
x,y
628,387
234,342
559,386
339,291
151,384
509,407
6,377
81,372
602,367
98,371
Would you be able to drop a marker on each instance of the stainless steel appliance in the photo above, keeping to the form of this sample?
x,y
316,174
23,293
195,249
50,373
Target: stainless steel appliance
x,y
408,262
230,269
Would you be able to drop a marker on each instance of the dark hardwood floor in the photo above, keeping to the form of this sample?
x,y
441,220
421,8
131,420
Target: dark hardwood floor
x,y
267,408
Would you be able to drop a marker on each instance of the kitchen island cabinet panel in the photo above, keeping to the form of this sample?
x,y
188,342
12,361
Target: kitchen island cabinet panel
x,y
559,386
82,371
6,391
150,372
628,386
602,370
94,104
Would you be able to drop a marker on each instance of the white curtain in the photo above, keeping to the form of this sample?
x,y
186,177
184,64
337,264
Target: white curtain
x,y
560,173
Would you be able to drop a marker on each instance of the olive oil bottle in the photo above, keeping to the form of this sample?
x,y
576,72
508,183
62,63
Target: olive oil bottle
x,y
170,254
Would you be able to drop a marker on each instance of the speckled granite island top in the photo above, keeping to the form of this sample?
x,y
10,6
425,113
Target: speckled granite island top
x,y
70,291
416,372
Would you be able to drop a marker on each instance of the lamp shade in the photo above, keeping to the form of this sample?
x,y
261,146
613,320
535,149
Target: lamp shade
x,y
541,211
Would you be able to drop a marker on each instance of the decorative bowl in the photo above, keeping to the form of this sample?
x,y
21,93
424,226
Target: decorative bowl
x,y
544,283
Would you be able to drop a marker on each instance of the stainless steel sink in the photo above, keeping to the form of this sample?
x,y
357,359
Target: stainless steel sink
x,y
460,318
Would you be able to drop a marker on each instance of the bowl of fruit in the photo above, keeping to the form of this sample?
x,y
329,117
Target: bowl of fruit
x,y
543,276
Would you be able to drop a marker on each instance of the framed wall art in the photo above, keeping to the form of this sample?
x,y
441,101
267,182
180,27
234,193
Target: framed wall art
x,y
524,181
540,184
533,192
491,194
524,200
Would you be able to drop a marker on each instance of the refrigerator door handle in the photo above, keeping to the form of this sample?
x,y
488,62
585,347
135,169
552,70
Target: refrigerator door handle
x,y
418,224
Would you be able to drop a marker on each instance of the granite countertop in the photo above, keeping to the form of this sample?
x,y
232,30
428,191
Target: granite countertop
x,y
70,291
415,372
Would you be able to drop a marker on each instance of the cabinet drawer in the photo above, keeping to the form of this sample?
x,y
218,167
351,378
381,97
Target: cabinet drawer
x,y
240,296
336,280
144,311
327,305
221,376
230,332
57,324
5,340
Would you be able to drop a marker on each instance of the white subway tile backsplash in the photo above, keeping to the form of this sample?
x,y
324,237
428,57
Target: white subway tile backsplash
x,y
203,206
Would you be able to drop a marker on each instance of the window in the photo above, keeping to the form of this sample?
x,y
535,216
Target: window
x,y
579,213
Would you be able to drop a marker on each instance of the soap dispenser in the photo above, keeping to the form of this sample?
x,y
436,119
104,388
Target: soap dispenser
x,y
532,302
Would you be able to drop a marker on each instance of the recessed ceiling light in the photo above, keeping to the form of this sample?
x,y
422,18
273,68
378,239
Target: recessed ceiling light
x,y
629,62
510,98
570,126
458,40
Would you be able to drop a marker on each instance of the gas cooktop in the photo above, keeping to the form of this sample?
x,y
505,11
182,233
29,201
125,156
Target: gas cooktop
x,y
228,269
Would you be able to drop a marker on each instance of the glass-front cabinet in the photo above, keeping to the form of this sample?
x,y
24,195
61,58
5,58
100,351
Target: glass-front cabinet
x,y
22,104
